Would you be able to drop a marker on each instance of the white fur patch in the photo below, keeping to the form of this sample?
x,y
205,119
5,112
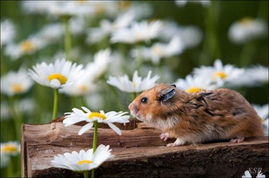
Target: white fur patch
x,y
178,142
207,134
161,123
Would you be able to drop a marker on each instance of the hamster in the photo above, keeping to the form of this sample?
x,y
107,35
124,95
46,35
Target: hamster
x,y
208,115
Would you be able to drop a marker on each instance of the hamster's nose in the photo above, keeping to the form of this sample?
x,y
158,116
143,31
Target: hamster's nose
x,y
132,107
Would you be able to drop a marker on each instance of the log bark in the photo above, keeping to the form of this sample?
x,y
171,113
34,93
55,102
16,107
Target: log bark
x,y
139,152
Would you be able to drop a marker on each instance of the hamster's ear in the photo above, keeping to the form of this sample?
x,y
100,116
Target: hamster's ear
x,y
167,94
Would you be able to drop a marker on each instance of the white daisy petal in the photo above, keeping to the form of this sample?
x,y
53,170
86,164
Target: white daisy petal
x,y
115,128
136,85
85,128
86,115
82,161
136,32
219,74
16,82
247,29
59,74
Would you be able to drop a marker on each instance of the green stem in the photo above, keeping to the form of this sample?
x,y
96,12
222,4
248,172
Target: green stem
x,y
94,142
139,60
17,117
247,53
67,38
9,169
85,174
210,49
92,173
55,104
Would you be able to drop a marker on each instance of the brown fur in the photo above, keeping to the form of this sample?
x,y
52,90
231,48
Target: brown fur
x,y
204,116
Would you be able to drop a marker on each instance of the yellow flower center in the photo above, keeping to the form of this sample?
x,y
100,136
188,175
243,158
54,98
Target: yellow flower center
x,y
138,36
27,46
83,88
157,50
61,78
97,114
84,162
99,9
134,84
17,87
8,149
193,90
125,4
221,75
246,21
81,1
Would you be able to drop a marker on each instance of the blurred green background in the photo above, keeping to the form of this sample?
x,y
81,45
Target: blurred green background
x,y
214,22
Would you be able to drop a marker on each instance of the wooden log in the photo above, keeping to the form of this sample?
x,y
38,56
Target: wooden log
x,y
140,153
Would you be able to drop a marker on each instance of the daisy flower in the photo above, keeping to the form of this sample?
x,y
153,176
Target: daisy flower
x,y
85,114
252,76
51,32
93,71
160,50
109,8
4,111
4,160
181,3
107,27
56,75
81,86
77,25
26,47
35,6
100,64
247,29
194,84
16,82
258,74
10,148
262,111
95,100
190,36
82,160
26,105
219,73
136,85
137,32
140,10
69,8
248,175
7,32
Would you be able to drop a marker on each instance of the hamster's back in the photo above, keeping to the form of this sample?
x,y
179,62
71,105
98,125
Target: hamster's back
x,y
228,106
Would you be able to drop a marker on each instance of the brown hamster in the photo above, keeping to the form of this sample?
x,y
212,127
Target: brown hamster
x,y
195,118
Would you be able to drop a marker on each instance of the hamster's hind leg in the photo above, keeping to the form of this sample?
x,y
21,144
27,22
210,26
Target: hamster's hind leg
x,y
178,142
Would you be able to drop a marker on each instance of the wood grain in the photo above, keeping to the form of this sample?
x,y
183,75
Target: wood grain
x,y
139,153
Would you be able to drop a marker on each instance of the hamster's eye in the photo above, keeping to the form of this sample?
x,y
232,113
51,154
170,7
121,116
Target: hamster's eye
x,y
144,100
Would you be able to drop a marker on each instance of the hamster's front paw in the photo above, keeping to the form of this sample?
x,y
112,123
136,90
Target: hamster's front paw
x,y
164,136
237,140
178,142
